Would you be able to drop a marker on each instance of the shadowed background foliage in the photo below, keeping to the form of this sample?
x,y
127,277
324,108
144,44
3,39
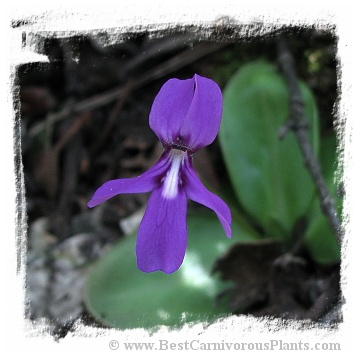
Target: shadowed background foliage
x,y
84,120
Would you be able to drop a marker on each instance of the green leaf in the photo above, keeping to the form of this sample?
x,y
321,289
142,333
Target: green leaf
x,y
319,238
267,174
120,295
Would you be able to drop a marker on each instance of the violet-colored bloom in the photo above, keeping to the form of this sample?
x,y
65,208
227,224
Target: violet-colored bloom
x,y
186,116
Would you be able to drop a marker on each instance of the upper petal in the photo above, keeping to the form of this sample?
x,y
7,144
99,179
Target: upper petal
x,y
170,108
201,125
187,112
162,234
196,191
146,182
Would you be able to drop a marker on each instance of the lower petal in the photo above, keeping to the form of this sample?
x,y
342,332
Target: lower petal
x,y
146,182
196,191
162,234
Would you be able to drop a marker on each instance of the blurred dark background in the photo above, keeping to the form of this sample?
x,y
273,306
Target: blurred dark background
x,y
83,119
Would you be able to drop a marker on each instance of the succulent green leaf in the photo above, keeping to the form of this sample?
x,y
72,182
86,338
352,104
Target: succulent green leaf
x,y
119,295
319,237
268,174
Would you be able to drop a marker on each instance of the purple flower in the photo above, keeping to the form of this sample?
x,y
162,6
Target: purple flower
x,y
186,116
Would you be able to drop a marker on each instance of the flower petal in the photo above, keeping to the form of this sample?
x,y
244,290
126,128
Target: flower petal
x,y
162,234
146,182
202,122
170,108
196,191
187,112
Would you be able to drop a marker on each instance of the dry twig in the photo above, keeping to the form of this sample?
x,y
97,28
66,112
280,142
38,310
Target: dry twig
x,y
296,123
179,61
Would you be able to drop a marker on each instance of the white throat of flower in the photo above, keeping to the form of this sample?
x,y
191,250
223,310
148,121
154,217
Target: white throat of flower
x,y
171,181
